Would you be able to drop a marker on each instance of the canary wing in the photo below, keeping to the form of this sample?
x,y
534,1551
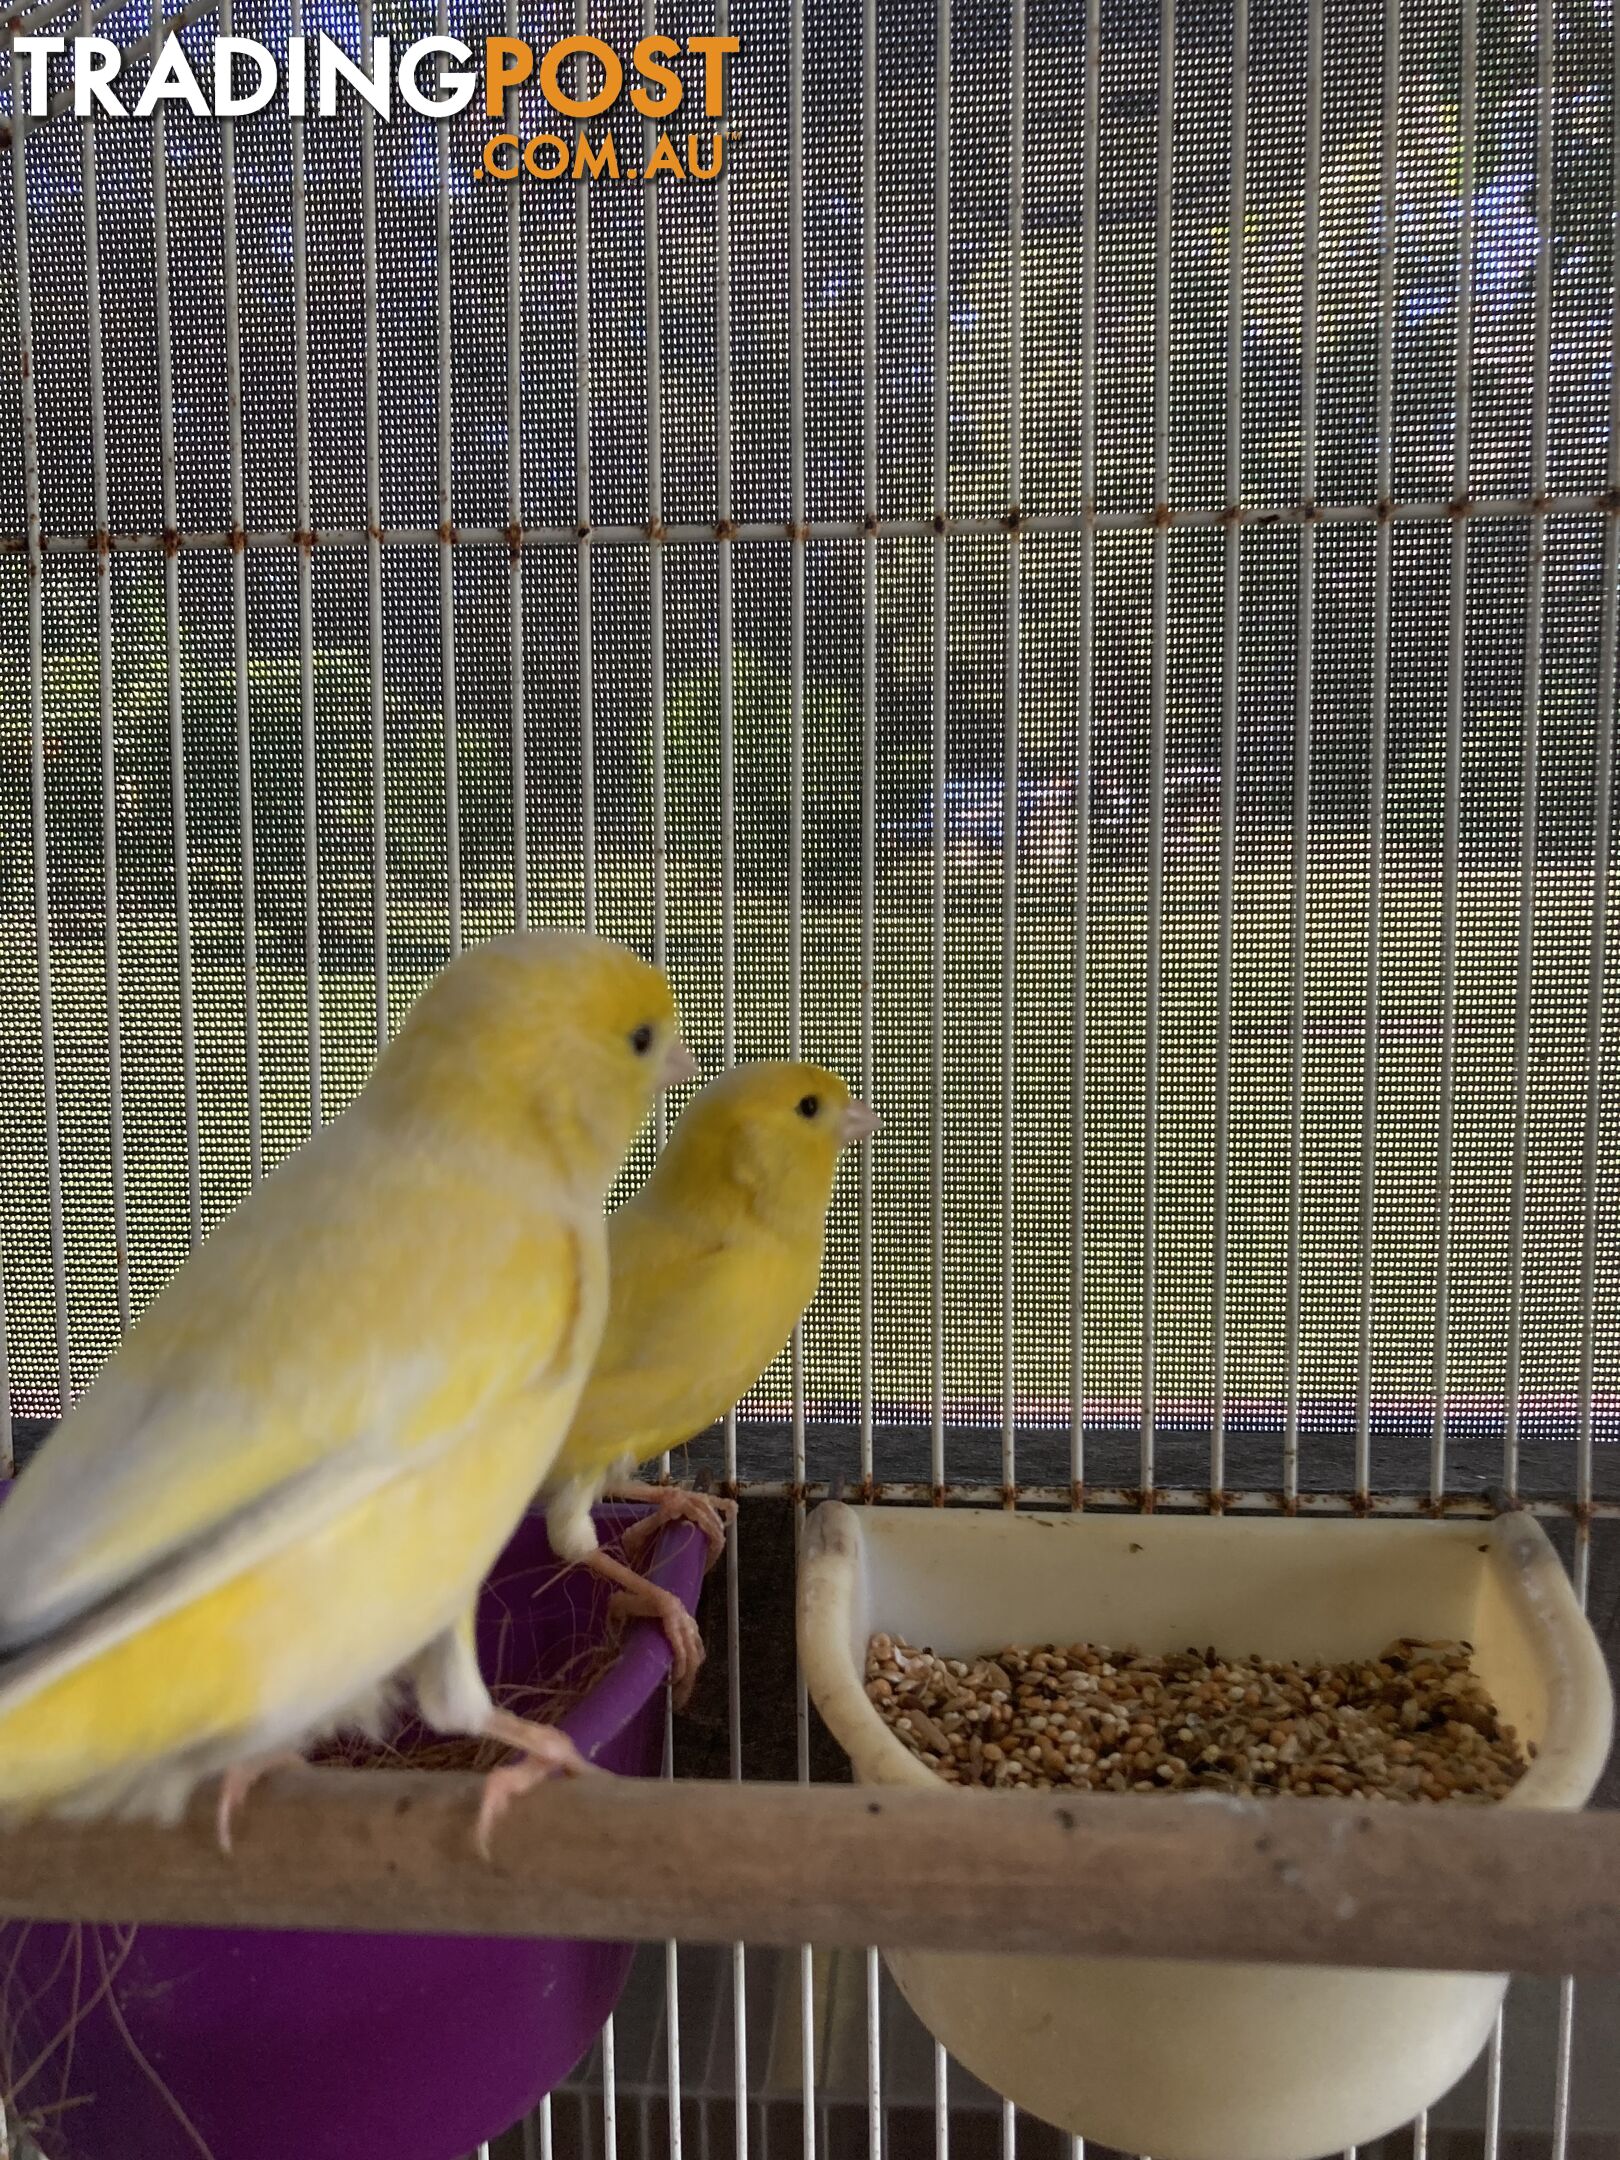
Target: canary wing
x,y
692,1323
355,1315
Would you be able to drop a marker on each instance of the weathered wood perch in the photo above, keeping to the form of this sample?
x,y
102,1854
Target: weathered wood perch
x,y
1315,1882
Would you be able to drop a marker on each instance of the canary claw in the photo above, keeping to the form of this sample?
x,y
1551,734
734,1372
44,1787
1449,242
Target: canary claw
x,y
649,1602
679,1503
548,1752
234,1787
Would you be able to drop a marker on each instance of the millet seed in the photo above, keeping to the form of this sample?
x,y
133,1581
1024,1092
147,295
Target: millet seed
x,y
1413,1724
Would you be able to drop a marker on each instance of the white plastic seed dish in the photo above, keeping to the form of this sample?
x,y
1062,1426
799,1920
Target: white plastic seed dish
x,y
1187,2061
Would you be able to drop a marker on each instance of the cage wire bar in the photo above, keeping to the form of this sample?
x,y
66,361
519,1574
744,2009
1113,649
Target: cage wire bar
x,y
1603,841
1456,653
1534,633
1383,575
1086,598
103,575
446,531
516,644
1304,707
231,296
870,535
302,510
941,675
1231,607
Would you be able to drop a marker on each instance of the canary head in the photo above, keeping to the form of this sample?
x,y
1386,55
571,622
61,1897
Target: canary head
x,y
546,1035
772,1131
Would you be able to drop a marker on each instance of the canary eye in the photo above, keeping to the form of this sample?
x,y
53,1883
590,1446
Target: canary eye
x,y
641,1040
809,1105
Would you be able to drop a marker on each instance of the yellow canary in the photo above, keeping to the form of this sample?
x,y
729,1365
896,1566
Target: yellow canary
x,y
711,1265
281,1496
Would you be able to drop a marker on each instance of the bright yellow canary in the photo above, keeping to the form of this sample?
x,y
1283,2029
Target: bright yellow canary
x,y
281,1496
711,1265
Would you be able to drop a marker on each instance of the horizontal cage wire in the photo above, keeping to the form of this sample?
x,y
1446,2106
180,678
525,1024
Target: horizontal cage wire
x,y
1093,608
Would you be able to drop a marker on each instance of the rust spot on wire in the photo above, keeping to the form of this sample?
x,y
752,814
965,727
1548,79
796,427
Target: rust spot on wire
x,y
448,533
1077,1494
868,1490
794,531
1609,501
376,532
655,530
729,1488
171,541
304,541
870,525
1163,517
942,523
1460,507
1219,1500
1360,1503
582,532
1540,504
726,529
1232,514
938,1495
513,535
1310,512
1009,1496
101,544
1014,523
799,1492
1384,511
1582,1512
236,540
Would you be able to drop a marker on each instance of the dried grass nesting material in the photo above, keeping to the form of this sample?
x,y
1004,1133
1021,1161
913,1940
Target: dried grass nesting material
x,y
410,1746
1413,1724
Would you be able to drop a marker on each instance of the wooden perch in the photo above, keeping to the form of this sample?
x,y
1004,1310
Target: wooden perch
x,y
1314,1882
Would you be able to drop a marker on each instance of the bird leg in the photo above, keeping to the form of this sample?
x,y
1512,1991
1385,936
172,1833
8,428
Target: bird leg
x,y
639,1599
452,1697
675,1503
238,1781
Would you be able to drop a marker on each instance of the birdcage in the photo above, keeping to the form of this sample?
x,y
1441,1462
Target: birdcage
x,y
1065,563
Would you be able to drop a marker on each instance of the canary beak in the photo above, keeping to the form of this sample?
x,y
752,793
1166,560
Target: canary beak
x,y
678,1067
857,1122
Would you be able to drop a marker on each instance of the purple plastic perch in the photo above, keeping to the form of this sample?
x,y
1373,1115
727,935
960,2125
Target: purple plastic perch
x,y
170,2043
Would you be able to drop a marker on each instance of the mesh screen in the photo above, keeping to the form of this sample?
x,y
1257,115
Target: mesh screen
x,y
1386,1236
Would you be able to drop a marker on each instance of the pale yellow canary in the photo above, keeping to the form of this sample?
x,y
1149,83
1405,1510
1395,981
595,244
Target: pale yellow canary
x,y
280,1498
711,1265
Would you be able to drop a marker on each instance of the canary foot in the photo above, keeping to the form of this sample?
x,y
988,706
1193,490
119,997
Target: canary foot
x,y
676,1503
548,1753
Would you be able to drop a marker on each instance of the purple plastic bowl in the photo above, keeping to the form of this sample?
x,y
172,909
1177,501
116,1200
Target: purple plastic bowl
x,y
261,2045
